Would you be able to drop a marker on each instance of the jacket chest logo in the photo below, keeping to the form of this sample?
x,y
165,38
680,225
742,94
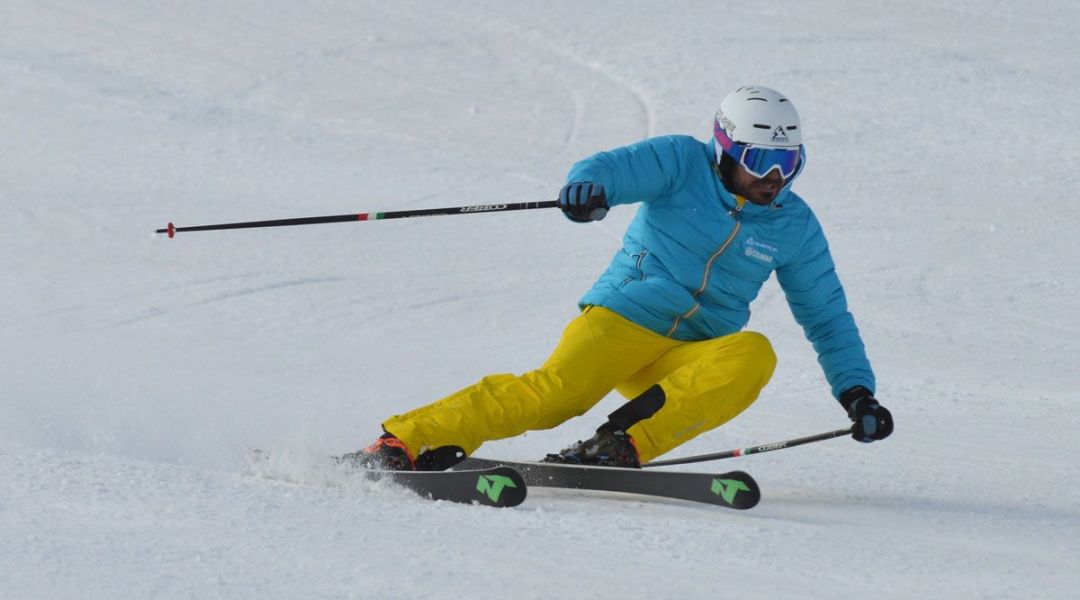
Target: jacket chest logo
x,y
760,251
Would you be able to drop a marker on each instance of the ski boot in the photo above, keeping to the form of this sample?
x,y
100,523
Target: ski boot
x,y
608,448
387,454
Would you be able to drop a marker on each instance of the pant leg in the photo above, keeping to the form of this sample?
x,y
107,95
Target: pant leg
x,y
705,385
598,349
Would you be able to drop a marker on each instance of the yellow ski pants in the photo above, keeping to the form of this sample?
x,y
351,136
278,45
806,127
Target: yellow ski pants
x,y
706,384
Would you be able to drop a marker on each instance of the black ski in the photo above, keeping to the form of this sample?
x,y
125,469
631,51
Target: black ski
x,y
734,489
494,485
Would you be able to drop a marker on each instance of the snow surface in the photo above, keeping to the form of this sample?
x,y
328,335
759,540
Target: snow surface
x,y
137,371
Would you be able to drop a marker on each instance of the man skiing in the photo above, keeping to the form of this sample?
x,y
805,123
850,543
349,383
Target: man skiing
x,y
664,323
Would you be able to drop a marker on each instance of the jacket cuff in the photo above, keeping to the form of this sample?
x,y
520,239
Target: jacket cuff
x,y
849,396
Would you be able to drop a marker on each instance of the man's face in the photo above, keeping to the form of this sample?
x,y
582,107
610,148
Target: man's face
x,y
757,190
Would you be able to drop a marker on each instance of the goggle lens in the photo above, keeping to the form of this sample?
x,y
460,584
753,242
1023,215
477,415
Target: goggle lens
x,y
759,161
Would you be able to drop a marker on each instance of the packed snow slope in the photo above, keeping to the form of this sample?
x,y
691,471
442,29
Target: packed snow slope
x,y
136,371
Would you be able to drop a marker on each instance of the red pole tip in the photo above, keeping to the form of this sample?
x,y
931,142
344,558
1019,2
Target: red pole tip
x,y
172,231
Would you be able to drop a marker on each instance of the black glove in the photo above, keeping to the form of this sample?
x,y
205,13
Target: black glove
x,y
872,420
583,202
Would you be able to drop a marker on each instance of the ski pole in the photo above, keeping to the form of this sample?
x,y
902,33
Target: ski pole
x,y
752,450
172,230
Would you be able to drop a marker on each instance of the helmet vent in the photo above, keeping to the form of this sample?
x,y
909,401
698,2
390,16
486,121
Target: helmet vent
x,y
762,99
791,127
783,100
760,126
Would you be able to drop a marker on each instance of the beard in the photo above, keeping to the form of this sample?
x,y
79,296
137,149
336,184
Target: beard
x,y
759,193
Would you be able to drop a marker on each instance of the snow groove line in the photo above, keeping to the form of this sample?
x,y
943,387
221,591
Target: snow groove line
x,y
575,126
636,94
158,312
510,31
268,288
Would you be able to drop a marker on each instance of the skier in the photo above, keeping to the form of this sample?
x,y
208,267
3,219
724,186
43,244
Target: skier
x,y
664,323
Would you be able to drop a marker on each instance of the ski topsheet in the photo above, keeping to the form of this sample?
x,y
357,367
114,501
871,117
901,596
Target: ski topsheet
x,y
734,489
494,485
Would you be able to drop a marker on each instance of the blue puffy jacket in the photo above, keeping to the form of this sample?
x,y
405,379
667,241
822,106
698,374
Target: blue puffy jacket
x,y
692,261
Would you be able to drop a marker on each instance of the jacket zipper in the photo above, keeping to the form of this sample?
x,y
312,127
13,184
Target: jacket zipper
x,y
705,280
641,258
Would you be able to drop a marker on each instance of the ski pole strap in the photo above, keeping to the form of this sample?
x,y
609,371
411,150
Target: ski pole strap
x,y
751,450
171,230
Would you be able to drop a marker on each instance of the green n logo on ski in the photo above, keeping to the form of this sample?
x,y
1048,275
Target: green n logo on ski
x,y
493,485
728,488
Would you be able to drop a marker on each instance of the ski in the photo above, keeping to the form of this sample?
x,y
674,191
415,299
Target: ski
x,y
495,485
734,489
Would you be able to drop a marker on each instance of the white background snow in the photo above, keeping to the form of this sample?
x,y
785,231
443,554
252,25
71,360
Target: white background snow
x,y
137,371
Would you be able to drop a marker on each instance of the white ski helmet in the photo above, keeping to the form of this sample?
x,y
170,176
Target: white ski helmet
x,y
759,128
759,116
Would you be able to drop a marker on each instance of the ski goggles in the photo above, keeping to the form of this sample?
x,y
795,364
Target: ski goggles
x,y
759,161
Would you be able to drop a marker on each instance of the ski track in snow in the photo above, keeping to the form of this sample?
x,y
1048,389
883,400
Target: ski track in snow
x,y
136,372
